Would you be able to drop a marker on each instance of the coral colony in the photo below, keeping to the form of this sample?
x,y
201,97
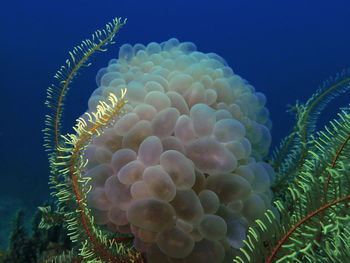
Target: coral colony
x,y
167,164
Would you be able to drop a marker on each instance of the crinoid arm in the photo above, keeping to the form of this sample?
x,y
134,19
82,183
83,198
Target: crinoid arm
x,y
56,93
315,227
289,157
66,162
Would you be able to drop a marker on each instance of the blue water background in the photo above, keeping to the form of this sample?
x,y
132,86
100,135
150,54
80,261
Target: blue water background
x,y
283,48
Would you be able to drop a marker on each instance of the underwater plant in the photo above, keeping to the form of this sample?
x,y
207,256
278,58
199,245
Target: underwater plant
x,y
147,175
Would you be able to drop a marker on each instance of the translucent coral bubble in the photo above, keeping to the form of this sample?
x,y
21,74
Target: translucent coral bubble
x,y
195,94
187,206
254,132
217,58
207,251
94,101
184,129
247,146
183,61
121,158
139,190
110,140
117,216
137,134
235,233
99,174
164,121
187,47
203,119
99,75
235,205
150,150
270,171
118,193
223,90
179,168
125,123
147,236
146,66
97,199
145,111
195,234
153,86
236,111
109,77
157,78
229,186
223,114
154,254
159,183
254,207
180,83
184,226
263,115
102,155
131,172
175,243
151,214
170,44
156,59
207,81
157,99
137,47
237,149
89,153
210,156
196,70
209,200
153,48
261,178
126,52
178,102
173,143
213,227
229,130
136,91
142,55
264,143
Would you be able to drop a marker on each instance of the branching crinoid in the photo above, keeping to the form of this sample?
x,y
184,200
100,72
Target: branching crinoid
x,y
314,222
290,156
66,161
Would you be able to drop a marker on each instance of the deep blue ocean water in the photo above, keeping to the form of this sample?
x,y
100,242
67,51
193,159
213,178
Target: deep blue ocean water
x,y
283,48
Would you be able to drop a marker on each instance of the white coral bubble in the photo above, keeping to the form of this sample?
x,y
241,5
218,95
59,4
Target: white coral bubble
x,y
164,121
184,129
203,118
151,214
131,172
179,168
159,183
158,100
210,156
175,243
226,130
150,150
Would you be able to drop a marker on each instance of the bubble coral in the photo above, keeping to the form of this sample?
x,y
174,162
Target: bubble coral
x,y
182,167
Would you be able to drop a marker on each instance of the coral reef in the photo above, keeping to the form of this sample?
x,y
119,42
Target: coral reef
x,y
42,246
